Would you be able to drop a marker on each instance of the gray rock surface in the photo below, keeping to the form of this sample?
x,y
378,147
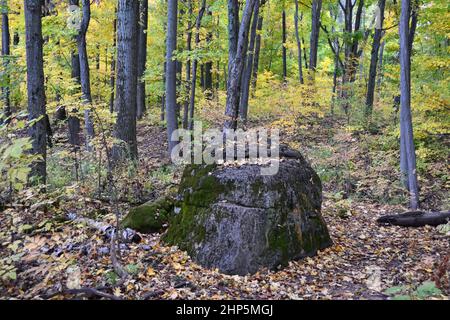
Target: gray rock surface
x,y
236,220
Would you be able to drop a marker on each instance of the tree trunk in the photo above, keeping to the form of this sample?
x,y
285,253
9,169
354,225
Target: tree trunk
x,y
35,85
257,51
208,66
374,58
284,46
188,66
142,56
112,78
171,77
315,30
194,66
126,87
84,71
416,219
299,44
235,68
6,40
406,128
243,108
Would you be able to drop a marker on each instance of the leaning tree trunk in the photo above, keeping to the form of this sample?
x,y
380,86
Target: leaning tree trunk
x,y
374,58
315,30
416,219
35,85
406,127
84,71
236,67
246,77
171,72
142,56
299,44
6,40
194,66
126,86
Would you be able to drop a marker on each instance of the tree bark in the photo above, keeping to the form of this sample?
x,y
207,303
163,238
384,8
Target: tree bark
x,y
246,77
188,66
406,127
299,44
284,46
416,219
126,86
35,85
315,30
142,56
235,68
257,51
6,41
171,77
84,71
374,59
112,77
194,66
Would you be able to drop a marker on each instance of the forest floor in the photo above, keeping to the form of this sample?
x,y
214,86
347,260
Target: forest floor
x,y
42,254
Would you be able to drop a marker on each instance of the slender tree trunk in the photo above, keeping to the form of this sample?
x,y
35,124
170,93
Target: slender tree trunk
x,y
112,78
194,65
126,87
84,71
188,66
142,56
315,30
299,44
406,127
246,77
257,51
236,67
35,85
374,58
171,77
6,41
284,46
305,56
380,65
208,65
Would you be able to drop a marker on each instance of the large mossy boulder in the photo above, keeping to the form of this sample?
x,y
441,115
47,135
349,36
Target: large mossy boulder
x,y
237,220
149,217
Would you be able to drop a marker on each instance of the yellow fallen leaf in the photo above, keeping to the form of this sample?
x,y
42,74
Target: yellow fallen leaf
x,y
151,272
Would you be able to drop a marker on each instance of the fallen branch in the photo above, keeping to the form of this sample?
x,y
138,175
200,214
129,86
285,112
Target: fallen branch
x,y
128,235
416,219
84,291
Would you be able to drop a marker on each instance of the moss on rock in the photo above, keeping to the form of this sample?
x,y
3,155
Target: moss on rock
x,y
149,217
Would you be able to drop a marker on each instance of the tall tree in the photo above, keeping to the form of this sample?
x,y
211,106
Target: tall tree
x,y
255,67
35,85
112,76
246,77
171,70
126,86
188,64
209,64
142,56
195,64
374,57
6,41
315,30
283,27
299,44
84,69
236,67
406,128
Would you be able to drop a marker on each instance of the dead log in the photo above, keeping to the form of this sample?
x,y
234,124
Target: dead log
x,y
416,219
127,235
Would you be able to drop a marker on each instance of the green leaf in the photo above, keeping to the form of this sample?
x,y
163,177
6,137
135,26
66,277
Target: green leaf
x,y
401,297
428,289
395,290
